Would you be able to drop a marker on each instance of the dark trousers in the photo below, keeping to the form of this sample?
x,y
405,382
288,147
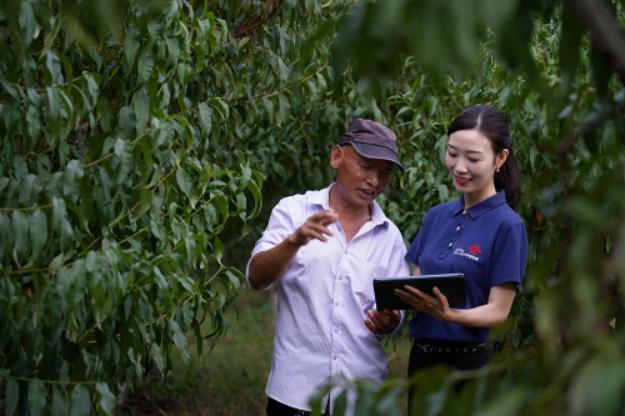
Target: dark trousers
x,y
420,360
275,408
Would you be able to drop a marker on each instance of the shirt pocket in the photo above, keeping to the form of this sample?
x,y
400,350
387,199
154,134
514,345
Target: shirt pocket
x,y
362,282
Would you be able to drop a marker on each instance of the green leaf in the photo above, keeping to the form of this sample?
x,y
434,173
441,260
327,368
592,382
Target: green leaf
x,y
53,65
131,44
59,407
12,397
157,356
173,49
145,66
38,234
107,399
185,182
80,402
36,397
127,123
27,23
29,190
20,231
74,171
179,339
122,150
205,119
219,249
142,110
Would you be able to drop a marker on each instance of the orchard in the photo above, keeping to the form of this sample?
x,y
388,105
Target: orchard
x,y
142,143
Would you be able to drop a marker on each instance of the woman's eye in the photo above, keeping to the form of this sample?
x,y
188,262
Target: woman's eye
x,y
473,160
451,154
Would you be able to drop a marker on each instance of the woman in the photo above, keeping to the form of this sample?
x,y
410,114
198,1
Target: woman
x,y
479,235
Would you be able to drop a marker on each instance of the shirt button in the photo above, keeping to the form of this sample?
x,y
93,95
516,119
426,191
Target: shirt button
x,y
336,331
336,303
346,252
335,357
464,212
450,244
457,228
340,277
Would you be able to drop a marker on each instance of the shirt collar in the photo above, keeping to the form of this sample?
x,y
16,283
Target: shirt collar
x,y
322,198
484,206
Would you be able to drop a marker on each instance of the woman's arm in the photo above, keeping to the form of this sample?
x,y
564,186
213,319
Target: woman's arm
x,y
494,313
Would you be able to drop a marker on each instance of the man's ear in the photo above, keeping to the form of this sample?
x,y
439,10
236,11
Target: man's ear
x,y
336,155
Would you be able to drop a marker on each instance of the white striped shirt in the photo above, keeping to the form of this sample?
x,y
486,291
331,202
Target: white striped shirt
x,y
323,300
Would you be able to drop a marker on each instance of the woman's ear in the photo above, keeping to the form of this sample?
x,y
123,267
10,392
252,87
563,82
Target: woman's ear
x,y
500,159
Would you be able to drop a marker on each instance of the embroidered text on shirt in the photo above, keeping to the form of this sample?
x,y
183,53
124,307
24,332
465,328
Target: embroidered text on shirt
x,y
461,252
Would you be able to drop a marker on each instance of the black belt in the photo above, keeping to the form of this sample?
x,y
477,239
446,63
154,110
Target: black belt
x,y
453,348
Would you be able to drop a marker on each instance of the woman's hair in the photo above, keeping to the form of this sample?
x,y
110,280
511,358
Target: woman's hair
x,y
495,126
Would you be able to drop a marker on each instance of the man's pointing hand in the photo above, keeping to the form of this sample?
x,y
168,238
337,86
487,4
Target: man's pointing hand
x,y
314,227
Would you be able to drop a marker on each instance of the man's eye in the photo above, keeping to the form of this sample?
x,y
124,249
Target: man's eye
x,y
364,167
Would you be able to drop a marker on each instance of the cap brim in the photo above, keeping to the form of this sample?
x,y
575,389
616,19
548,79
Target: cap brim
x,y
372,151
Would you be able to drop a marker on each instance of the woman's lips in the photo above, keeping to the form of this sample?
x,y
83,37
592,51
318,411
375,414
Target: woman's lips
x,y
462,181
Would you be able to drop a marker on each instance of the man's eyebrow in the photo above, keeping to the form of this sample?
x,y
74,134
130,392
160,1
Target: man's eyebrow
x,y
468,151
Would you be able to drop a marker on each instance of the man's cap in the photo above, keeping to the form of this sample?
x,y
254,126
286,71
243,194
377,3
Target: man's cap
x,y
372,140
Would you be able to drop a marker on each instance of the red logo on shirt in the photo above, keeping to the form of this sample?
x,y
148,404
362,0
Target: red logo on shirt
x,y
474,249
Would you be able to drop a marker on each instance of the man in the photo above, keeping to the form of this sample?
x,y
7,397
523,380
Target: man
x,y
324,249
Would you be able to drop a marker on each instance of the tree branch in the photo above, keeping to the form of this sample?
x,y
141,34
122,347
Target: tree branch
x,y
588,128
606,32
256,25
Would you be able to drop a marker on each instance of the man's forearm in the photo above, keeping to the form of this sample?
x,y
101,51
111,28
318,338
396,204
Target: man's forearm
x,y
267,267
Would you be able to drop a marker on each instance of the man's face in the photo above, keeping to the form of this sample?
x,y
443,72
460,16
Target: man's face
x,y
360,180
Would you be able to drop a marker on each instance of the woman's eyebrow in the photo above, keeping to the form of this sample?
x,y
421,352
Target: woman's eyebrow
x,y
468,151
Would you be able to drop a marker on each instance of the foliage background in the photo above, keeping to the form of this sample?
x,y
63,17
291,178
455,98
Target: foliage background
x,y
129,139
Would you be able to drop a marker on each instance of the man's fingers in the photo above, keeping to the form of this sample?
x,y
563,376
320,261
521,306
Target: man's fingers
x,y
316,231
393,316
375,319
373,328
325,217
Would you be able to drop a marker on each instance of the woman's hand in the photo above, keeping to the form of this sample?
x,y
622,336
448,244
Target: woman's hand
x,y
494,313
436,305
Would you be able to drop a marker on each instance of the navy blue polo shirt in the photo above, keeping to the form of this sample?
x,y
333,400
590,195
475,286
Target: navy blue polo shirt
x,y
487,242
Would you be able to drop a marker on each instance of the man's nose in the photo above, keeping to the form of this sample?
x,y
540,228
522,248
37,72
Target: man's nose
x,y
374,178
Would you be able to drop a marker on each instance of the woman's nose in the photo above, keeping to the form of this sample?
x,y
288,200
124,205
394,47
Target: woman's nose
x,y
461,166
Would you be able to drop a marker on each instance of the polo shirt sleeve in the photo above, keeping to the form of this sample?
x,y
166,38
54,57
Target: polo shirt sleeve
x,y
282,223
416,248
509,256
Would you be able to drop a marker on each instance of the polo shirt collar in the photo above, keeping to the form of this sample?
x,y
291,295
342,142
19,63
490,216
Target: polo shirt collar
x,y
484,206
322,198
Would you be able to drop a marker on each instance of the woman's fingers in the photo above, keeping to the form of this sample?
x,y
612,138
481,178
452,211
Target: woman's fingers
x,y
442,298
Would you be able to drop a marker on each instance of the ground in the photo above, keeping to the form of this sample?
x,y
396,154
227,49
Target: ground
x,y
231,379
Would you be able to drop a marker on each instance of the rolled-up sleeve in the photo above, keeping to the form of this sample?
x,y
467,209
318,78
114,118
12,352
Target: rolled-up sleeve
x,y
282,223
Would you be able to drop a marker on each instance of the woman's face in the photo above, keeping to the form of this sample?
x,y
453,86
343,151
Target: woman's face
x,y
472,164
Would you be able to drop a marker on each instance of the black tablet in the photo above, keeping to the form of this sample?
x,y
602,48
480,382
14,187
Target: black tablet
x,y
452,286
